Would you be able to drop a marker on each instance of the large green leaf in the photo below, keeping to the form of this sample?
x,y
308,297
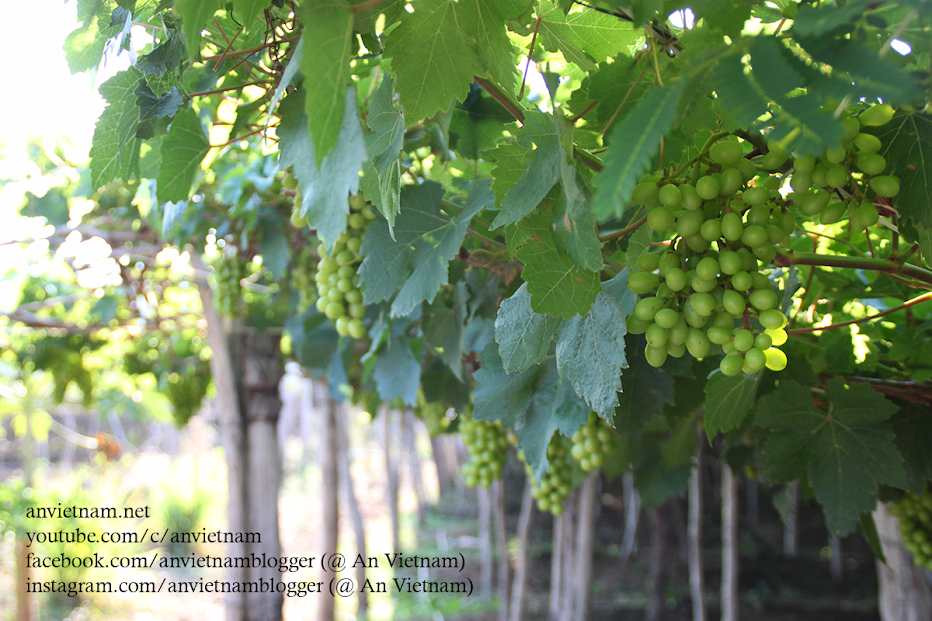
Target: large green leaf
x,y
848,450
194,15
248,10
442,325
591,354
485,20
115,149
432,58
728,401
556,284
511,160
585,37
386,128
325,190
328,48
524,337
415,263
397,372
907,147
535,403
183,149
634,142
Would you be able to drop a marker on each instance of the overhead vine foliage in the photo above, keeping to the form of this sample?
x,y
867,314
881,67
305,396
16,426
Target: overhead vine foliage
x,y
554,179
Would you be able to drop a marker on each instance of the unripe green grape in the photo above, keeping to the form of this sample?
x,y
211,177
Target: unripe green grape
x,y
708,187
655,356
730,181
729,347
678,333
718,335
774,159
689,223
691,200
772,319
643,282
850,126
701,285
356,328
759,215
693,319
676,350
668,261
711,230
818,175
356,221
871,163
804,164
765,252
697,243
801,181
357,311
730,262
775,359
754,235
666,318
660,219
744,340
833,213
866,215
836,176
646,193
334,310
707,269
786,222
649,261
732,227
676,279
755,196
887,186
763,341
754,361
724,319
726,152
867,143
698,343
835,155
734,303
703,304
342,326
636,325
778,336
774,233
746,168
877,115
761,281
646,308
671,196
731,364
763,299
742,281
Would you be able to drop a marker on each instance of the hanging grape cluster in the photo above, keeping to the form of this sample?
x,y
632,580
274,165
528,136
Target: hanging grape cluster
x,y
707,284
229,272
337,281
434,415
303,271
593,442
915,516
487,443
556,484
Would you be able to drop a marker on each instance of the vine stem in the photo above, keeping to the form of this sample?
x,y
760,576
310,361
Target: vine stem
x,y
246,51
925,297
622,104
229,88
365,5
530,53
617,234
786,258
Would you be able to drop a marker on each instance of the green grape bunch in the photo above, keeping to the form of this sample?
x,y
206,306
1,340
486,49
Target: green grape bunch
x,y
434,415
302,277
593,442
229,272
555,486
488,444
914,512
340,297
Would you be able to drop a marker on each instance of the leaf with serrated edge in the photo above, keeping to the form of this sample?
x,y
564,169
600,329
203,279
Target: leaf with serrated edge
x,y
194,15
585,37
442,326
248,10
557,286
183,149
324,191
728,401
523,336
849,450
907,147
535,403
328,48
115,144
432,58
386,127
397,372
634,142
416,262
591,354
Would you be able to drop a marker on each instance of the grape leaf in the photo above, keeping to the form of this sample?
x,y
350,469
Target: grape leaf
x,y
324,191
728,400
556,284
194,15
591,354
432,58
523,336
442,325
813,21
585,37
907,147
416,265
115,149
164,57
328,47
386,128
644,389
384,191
183,149
85,46
511,161
726,16
614,81
849,449
485,20
152,106
248,10
634,141
397,372
535,403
